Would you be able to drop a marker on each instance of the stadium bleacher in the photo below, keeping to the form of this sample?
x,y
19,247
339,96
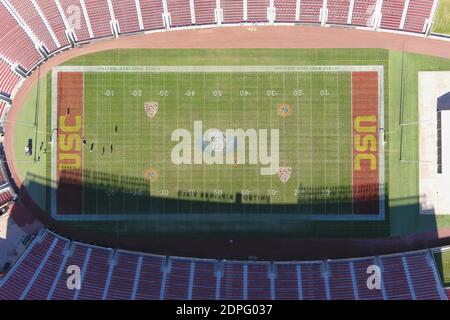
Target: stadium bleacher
x,y
422,276
15,44
52,21
338,11
285,10
126,14
204,280
418,12
38,274
396,279
39,287
204,12
152,13
178,284
313,281
96,275
76,255
180,13
232,281
341,281
3,179
27,11
233,11
121,285
257,10
259,281
99,17
16,283
8,78
360,270
150,280
50,10
362,13
6,196
76,19
310,11
392,11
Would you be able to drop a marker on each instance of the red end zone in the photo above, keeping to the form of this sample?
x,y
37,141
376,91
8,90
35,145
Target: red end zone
x,y
366,195
69,151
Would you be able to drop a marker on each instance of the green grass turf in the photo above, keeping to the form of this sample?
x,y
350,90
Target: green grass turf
x,y
442,19
201,226
315,141
32,124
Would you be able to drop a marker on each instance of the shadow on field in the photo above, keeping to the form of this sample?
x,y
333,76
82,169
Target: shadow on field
x,y
238,234
103,193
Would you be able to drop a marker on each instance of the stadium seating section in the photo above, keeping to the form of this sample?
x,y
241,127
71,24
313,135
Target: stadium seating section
x,y
285,10
125,12
40,273
54,25
31,30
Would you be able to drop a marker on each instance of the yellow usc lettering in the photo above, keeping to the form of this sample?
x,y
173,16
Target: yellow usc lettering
x,y
69,143
368,128
365,141
65,128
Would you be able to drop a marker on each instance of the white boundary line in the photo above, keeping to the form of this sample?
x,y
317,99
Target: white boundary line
x,y
381,154
221,69
218,69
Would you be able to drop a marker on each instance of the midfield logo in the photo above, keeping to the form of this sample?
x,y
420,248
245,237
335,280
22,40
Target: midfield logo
x,y
217,147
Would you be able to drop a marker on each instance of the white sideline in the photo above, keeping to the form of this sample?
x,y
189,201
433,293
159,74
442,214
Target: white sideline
x,y
220,69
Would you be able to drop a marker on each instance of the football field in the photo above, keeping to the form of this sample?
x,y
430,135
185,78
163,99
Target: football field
x,y
132,142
